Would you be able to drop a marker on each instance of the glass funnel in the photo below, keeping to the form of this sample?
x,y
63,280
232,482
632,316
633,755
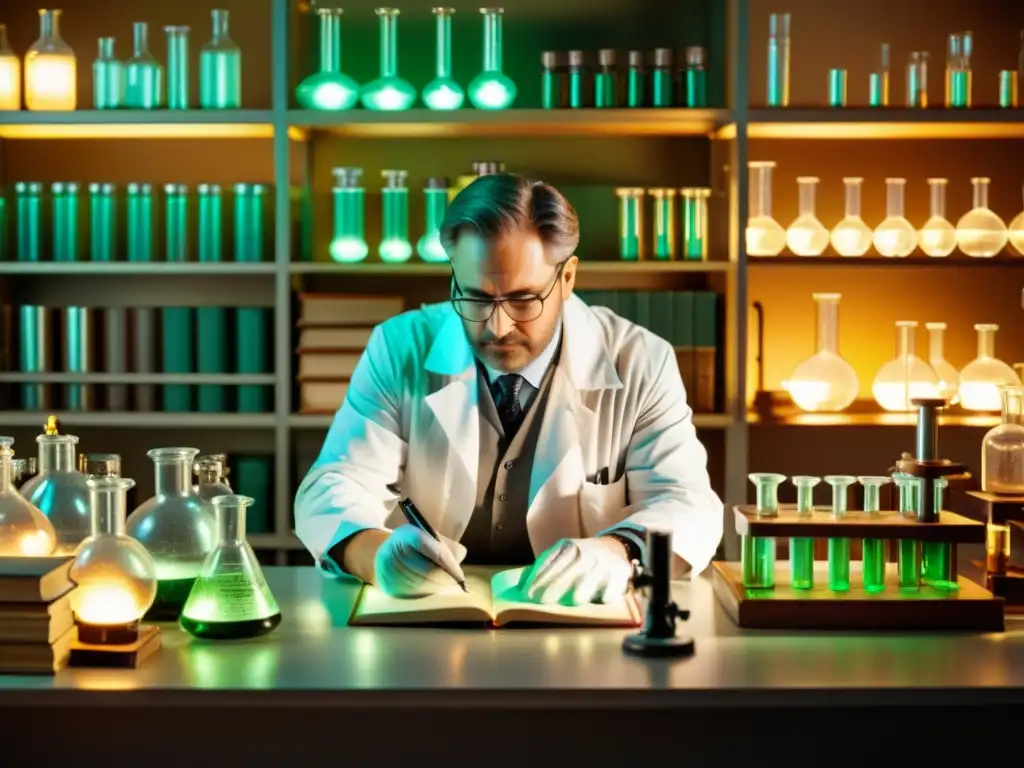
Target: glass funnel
x,y
59,490
443,93
50,68
389,92
209,471
758,552
10,74
230,599
851,236
937,237
116,576
980,232
220,67
807,236
764,235
435,194
1002,450
144,75
24,530
895,236
349,242
329,89
394,244
801,548
1016,230
839,548
492,89
981,378
949,377
824,381
176,526
906,377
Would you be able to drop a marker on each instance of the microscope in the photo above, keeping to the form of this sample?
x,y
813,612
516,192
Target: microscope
x,y
658,637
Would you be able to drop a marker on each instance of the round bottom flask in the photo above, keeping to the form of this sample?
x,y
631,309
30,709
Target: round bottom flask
x,y
24,530
1002,450
59,490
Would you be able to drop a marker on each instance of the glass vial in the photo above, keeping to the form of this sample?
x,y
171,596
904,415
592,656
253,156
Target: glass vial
x,y
144,75
938,570
635,80
210,240
757,553
10,74
664,233
949,377
956,73
78,337
577,80
908,551
102,221
631,215
937,237
906,377
878,80
873,550
249,239
435,202
997,548
177,67
329,89
851,236
394,245
220,67
895,236
696,77
606,81
981,378
35,354
695,222
139,214
349,242
778,60
837,87
825,381
50,68
28,211
980,232
1002,450
389,92
65,221
917,80
807,236
552,82
175,222
492,89
443,93
1008,80
801,548
108,77
764,235
663,85
839,548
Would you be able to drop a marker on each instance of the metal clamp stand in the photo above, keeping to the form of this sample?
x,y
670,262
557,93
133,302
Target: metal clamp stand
x,y
927,465
658,637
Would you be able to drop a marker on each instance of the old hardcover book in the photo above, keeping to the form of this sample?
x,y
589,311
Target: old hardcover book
x,y
34,579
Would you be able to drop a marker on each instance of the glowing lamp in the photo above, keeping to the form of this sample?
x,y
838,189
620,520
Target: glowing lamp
x,y
50,68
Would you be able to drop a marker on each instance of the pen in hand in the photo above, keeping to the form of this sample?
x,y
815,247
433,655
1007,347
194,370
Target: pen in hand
x,y
415,518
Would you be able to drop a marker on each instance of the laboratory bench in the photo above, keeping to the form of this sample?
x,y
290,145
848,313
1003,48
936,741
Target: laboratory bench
x,y
318,689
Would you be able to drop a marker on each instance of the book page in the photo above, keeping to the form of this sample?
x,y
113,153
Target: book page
x,y
452,605
510,606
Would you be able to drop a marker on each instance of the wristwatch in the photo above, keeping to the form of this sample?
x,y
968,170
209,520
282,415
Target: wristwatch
x,y
636,549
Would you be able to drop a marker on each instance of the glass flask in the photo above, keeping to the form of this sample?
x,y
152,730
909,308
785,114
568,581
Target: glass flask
x,y
435,194
1016,233
50,68
209,472
220,67
906,377
937,237
389,92
24,530
107,77
758,552
631,220
851,236
59,490
895,236
980,232
329,88
116,576
949,377
394,244
231,599
492,89
873,550
144,75
908,551
349,242
664,222
10,74
807,236
764,235
981,378
177,67
1002,450
177,527
839,548
443,92
801,548
824,381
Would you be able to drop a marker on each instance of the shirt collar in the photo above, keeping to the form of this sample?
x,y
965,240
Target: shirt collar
x,y
534,371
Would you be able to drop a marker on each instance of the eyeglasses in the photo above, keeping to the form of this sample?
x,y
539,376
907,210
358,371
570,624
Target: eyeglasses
x,y
521,309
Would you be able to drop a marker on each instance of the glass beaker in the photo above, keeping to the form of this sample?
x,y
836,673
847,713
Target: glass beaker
x,y
492,89
443,93
873,552
59,490
1015,233
778,60
824,381
1002,450
394,244
764,235
980,232
631,217
895,236
807,236
210,481
695,222
329,89
389,92
664,234
177,67
231,599
758,552
906,377
349,242
908,551
851,236
220,67
801,548
50,68
10,74
917,80
144,75
435,199
981,378
937,237
177,528
949,377
878,80
839,548
24,530
107,77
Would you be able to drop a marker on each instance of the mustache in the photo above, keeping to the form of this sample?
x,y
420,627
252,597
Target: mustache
x,y
512,338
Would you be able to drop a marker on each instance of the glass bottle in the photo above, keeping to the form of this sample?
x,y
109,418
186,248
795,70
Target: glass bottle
x,y
329,89
949,377
764,235
144,75
631,219
389,92
435,194
906,377
443,93
177,67
981,378
177,527
895,236
801,548
10,74
231,599
492,89
908,551
107,77
24,530
552,83
349,242
663,82
757,553
937,237
577,77
636,91
873,550
696,77
59,490
664,222
211,483
851,236
839,548
394,244
116,576
1002,450
824,381
778,60
980,232
917,80
606,80
50,68
807,236
220,67
1016,233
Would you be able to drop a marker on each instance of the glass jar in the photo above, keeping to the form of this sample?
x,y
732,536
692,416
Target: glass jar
x,y
107,77
807,236
144,75
824,381
1002,450
349,242
981,378
764,235
492,89
329,89
59,490
389,92
443,93
10,74
949,377
980,232
24,530
937,237
51,83
435,198
895,236
851,236
220,67
906,377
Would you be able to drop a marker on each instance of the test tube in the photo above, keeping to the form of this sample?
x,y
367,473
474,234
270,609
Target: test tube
x,y
176,222
917,80
140,222
839,547
908,556
801,548
249,242
635,80
695,222
997,548
606,85
577,80
873,549
630,223
664,222
937,567
65,221
758,552
662,82
394,245
967,45
1008,89
778,60
550,81
837,87
210,240
348,244
177,67
102,222
878,81
956,76
696,77
28,204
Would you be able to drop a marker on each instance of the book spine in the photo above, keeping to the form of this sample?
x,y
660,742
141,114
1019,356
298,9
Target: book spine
x,y
115,327
144,354
178,356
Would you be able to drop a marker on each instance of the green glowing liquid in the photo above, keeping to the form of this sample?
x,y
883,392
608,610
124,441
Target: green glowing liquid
x,y
937,565
758,562
874,565
230,630
492,90
443,94
388,94
839,565
909,563
327,91
801,563
171,595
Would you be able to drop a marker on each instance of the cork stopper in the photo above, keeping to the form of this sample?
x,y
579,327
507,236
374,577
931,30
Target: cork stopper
x,y
662,57
636,59
576,59
606,57
549,60
99,464
695,57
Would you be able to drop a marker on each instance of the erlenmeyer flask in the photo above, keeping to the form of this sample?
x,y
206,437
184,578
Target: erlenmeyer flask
x,y
492,88
824,381
895,236
949,377
981,378
59,490
443,93
764,235
389,92
980,232
1016,230
807,236
24,530
851,236
330,88
230,599
1002,450
906,377
937,237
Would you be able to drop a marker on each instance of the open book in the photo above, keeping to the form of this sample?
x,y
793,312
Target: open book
x,y
493,598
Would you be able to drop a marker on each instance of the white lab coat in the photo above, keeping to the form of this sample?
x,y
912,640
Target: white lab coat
x,y
411,422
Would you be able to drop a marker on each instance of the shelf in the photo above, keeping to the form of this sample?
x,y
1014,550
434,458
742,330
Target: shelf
x,y
885,123
986,420
233,379
512,123
141,420
140,124
219,268
323,421
1006,259
443,270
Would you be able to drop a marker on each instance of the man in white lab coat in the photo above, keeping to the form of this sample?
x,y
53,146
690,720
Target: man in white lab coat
x,y
525,426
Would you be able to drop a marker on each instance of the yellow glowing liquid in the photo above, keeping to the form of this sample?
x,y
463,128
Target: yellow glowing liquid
x,y
897,396
36,544
10,83
50,83
106,603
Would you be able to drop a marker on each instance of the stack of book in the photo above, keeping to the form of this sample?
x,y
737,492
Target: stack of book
x,y
37,626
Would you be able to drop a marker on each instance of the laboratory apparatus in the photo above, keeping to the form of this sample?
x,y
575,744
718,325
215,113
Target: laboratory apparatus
x,y
1015,233
435,202
664,224
19,474
965,78
949,377
100,464
606,85
552,82
758,552
10,74
177,67
873,550
956,72
658,637
695,222
878,80
329,89
981,378
906,377
895,236
176,526
1008,79
209,472
807,236
851,236
908,552
980,232
696,77
250,244
938,236
64,195
28,211
144,75
663,83
231,599
210,215
778,60
24,530
59,490
578,85
116,576
1002,450
394,244
78,357
140,224
838,547
443,93
175,222
220,67
492,88
349,242
801,548
635,81
389,92
824,381
937,568
35,354
997,548
108,77
102,221
50,68
631,216
917,80
837,87
764,235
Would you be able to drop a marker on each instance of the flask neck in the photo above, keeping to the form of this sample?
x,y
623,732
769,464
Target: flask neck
x,y
49,25
330,42
57,456
140,38
806,198
935,343
6,470
444,45
761,192
109,510
986,343
937,200
828,326
853,200
436,204
219,18
894,200
905,341
388,45
492,42
981,194
106,48
872,498
1013,405
174,477
230,523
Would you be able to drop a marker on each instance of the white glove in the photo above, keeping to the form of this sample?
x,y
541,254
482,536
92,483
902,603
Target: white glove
x,y
411,563
576,572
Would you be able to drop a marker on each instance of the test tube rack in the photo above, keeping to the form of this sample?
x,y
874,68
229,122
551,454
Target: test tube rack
x,y
970,607
998,512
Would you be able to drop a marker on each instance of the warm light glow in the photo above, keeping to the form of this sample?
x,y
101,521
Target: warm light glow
x,y
492,92
443,95
430,249
114,130
388,98
107,603
980,395
348,249
851,237
36,544
896,396
10,83
50,83
765,237
334,95
819,126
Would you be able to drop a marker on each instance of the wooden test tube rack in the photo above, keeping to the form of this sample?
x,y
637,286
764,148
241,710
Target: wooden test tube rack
x,y
999,511
971,607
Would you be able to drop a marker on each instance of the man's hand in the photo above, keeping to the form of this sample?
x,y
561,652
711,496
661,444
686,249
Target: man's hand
x,y
579,571
412,564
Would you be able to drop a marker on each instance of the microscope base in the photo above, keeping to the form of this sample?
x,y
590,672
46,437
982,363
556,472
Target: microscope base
x,y
658,647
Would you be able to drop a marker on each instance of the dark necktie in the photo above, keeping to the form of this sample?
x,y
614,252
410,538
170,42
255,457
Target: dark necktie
x,y
507,401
